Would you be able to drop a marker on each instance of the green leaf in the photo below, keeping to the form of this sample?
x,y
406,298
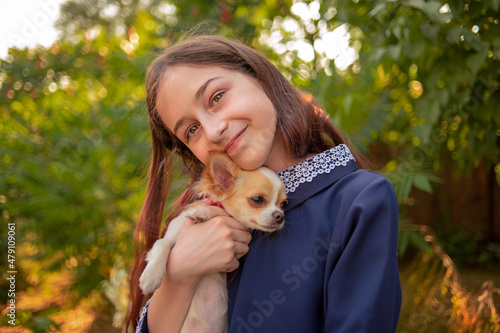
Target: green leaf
x,y
418,241
430,111
394,51
403,187
409,238
430,31
422,182
474,62
413,49
378,8
422,131
493,4
404,240
460,36
431,10
453,35
419,4
347,104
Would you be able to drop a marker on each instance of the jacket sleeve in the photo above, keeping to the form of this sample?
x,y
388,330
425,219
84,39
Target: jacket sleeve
x,y
142,325
363,291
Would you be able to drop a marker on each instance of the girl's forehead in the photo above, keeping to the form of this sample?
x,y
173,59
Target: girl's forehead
x,y
186,80
190,78
195,72
189,71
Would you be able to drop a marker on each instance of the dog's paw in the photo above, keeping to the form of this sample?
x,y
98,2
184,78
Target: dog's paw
x,y
197,218
156,258
204,213
150,279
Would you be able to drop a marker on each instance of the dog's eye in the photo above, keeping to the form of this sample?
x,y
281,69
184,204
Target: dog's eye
x,y
257,200
284,204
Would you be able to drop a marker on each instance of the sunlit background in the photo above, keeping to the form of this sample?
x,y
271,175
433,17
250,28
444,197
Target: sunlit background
x,y
27,23
31,22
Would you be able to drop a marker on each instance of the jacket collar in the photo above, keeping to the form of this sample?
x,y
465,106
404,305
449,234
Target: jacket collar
x,y
315,173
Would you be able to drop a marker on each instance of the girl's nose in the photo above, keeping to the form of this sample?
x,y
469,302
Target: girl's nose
x,y
214,129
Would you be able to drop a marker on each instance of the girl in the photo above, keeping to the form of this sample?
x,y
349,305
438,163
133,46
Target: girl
x,y
333,268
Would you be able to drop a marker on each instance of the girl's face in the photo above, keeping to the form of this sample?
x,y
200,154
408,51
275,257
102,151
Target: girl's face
x,y
211,108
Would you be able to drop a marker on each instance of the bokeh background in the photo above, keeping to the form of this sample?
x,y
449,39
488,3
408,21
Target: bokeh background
x,y
415,83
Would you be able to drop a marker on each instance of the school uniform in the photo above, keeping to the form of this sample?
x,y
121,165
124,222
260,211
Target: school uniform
x,y
333,267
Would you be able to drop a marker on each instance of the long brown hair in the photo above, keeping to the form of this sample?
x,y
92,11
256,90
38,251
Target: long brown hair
x,y
303,125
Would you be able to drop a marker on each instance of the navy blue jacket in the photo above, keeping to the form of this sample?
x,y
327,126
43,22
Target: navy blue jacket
x,y
333,267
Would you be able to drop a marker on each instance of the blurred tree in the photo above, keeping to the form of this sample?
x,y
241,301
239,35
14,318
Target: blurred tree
x,y
430,72
434,67
73,146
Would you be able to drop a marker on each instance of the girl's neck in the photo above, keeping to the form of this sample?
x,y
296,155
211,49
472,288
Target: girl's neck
x,y
280,159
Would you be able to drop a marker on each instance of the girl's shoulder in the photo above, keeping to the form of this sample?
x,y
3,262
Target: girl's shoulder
x,y
364,180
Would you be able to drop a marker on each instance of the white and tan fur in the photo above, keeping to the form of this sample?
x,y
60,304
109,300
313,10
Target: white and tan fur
x,y
255,198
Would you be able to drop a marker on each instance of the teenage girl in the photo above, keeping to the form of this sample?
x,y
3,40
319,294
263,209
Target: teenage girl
x,y
332,268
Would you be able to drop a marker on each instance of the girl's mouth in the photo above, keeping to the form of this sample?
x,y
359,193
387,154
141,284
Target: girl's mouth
x,y
233,143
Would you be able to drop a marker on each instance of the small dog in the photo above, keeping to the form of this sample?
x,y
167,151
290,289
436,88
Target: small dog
x,y
255,198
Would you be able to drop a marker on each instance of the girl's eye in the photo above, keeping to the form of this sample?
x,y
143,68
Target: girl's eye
x,y
192,130
216,99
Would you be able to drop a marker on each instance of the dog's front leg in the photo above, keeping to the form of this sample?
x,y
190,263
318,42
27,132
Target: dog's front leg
x,y
157,257
205,213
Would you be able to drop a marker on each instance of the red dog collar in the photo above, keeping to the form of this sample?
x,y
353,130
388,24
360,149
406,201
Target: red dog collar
x,y
218,204
213,203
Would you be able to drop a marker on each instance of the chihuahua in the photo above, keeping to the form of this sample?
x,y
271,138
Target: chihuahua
x,y
255,198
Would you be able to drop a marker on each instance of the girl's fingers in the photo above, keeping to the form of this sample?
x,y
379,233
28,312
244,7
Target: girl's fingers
x,y
235,224
208,247
242,236
234,265
240,250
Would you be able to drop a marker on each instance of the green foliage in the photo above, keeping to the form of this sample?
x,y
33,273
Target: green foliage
x,y
490,256
406,176
41,324
36,323
73,149
462,247
468,249
435,68
409,237
429,72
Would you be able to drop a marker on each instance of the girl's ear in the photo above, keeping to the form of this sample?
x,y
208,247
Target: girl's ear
x,y
223,172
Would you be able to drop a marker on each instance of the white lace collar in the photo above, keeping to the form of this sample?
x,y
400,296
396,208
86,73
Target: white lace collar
x,y
308,169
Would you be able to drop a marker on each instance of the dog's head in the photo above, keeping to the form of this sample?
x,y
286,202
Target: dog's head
x,y
255,198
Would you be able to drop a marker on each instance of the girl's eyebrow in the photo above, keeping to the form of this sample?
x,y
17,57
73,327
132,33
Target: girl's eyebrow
x,y
198,95
204,86
178,124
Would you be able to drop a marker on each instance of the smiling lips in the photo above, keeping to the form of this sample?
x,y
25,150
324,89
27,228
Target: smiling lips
x,y
233,143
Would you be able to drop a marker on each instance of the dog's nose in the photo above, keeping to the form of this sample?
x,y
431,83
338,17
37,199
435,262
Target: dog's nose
x,y
279,217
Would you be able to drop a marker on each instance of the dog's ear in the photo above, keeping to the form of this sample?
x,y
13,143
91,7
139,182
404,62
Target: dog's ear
x,y
223,173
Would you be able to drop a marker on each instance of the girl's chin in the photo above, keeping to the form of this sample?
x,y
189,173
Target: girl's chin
x,y
249,164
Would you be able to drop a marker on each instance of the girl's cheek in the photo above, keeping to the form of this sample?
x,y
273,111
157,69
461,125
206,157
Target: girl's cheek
x,y
201,154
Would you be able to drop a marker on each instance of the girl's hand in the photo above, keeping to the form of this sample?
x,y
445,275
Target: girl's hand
x,y
207,247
